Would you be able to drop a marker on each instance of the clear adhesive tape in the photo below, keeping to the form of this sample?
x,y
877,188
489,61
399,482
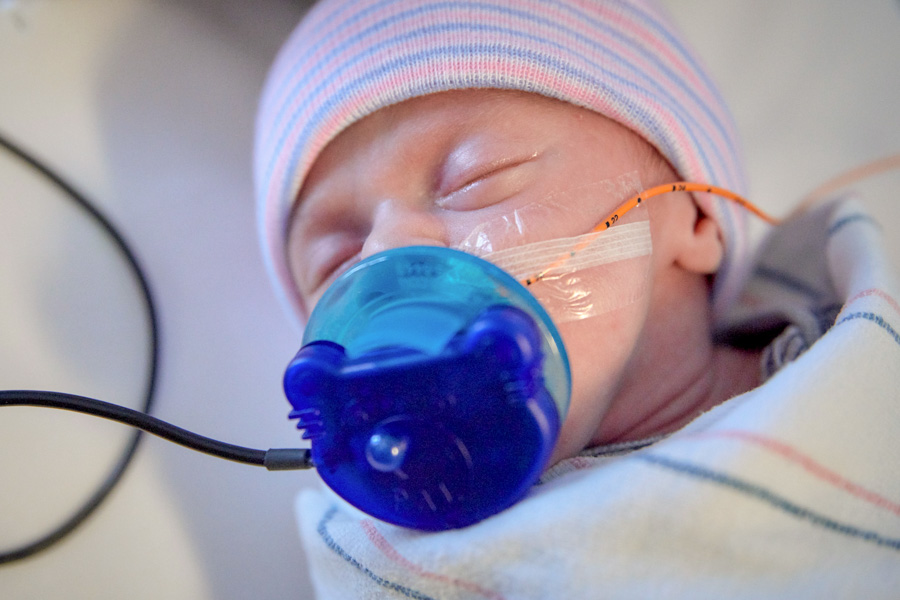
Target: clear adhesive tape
x,y
580,276
630,240
609,272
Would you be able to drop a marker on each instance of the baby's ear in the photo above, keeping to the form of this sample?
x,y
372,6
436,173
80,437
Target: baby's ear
x,y
702,250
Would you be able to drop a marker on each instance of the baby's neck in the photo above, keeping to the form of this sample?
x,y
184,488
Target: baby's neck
x,y
680,396
676,371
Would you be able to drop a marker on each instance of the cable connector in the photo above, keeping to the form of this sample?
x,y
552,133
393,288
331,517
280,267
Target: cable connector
x,y
287,459
277,459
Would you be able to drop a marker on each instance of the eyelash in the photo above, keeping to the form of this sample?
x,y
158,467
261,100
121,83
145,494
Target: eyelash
x,y
326,272
338,270
498,182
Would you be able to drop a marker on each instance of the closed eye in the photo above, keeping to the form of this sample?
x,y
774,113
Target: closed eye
x,y
326,260
485,184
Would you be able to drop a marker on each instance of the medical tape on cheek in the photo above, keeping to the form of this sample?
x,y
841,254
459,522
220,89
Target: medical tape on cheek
x,y
579,276
586,275
575,253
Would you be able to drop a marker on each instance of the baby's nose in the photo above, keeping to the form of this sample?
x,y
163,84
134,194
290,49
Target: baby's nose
x,y
396,224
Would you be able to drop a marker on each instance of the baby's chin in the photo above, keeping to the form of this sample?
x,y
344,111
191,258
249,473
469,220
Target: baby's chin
x,y
577,431
565,449
597,372
561,452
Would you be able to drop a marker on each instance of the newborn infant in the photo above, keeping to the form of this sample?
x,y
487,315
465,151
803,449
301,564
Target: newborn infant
x,y
432,169
732,416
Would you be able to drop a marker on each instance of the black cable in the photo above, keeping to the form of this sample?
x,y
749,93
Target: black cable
x,y
272,459
275,459
115,475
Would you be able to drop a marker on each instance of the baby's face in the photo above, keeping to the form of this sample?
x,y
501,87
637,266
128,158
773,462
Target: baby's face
x,y
435,169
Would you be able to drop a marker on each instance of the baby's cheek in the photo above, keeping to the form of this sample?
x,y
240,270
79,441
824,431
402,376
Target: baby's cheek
x,y
599,349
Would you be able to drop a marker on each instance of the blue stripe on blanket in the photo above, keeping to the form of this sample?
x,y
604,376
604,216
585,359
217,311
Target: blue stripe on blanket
x,y
322,530
877,319
761,493
853,218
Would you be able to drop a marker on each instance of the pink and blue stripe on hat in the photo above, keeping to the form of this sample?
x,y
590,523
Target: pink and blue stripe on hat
x,y
620,58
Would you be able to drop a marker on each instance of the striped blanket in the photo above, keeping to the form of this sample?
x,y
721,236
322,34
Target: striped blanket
x,y
791,490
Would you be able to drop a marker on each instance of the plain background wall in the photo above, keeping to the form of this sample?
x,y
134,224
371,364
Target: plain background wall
x,y
147,106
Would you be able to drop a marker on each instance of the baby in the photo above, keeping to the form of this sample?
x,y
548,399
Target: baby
x,y
417,122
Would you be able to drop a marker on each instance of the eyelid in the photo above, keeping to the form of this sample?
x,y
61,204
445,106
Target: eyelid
x,y
340,256
337,271
454,179
485,184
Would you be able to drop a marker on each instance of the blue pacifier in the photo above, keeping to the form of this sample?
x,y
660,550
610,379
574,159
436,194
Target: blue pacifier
x,y
431,385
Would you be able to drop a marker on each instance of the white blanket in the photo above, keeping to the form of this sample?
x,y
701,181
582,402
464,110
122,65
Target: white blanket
x,y
789,491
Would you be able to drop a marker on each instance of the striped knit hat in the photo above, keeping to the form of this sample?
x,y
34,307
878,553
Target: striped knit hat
x,y
620,58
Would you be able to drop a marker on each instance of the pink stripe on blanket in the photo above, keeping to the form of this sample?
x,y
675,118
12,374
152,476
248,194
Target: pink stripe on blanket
x,y
873,292
813,467
380,542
